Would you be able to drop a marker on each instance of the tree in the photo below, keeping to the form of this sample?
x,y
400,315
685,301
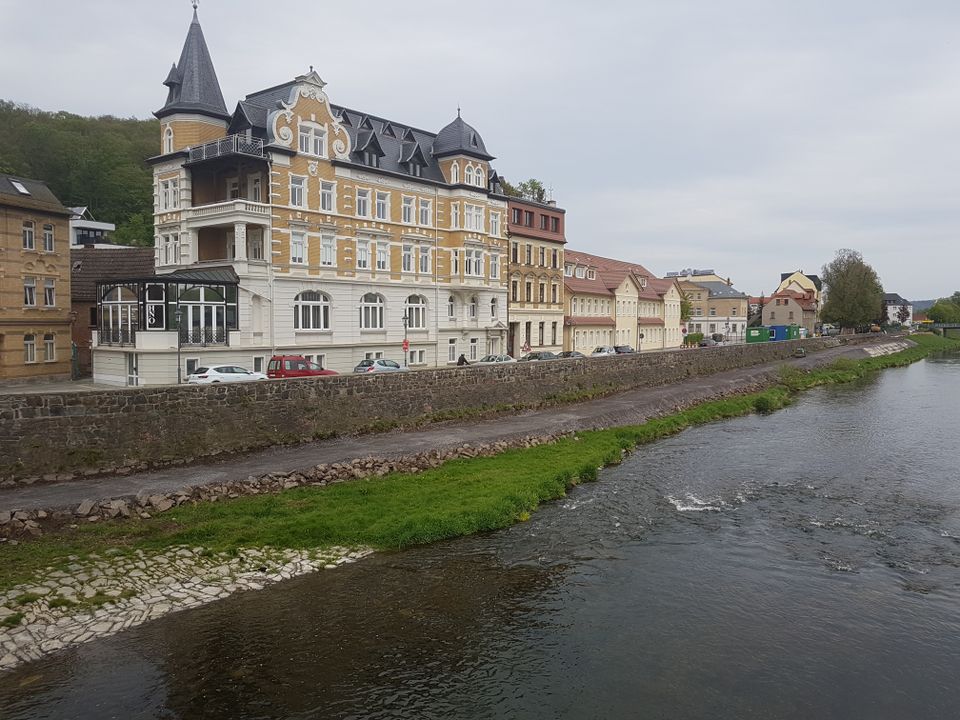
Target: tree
x,y
854,295
686,307
945,310
903,314
531,189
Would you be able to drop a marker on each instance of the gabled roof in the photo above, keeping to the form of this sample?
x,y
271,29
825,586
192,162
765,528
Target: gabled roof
x,y
721,290
193,83
37,196
894,299
90,265
806,300
817,282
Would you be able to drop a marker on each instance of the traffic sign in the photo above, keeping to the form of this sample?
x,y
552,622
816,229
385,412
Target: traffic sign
x,y
406,345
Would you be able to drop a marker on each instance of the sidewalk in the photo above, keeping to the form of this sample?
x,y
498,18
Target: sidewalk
x,y
628,408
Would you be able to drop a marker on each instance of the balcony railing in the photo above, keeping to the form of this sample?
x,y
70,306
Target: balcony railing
x,y
230,145
204,336
116,336
227,208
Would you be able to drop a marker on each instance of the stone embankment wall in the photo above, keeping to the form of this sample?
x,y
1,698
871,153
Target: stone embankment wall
x,y
56,436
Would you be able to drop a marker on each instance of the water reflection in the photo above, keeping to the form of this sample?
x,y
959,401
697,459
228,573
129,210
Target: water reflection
x,y
804,564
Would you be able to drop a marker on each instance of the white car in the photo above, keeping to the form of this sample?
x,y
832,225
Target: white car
x,y
223,374
602,351
494,360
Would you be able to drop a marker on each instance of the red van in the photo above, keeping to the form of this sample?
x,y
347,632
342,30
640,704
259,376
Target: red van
x,y
294,366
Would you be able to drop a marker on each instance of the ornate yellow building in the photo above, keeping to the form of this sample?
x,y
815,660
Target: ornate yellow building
x,y
316,229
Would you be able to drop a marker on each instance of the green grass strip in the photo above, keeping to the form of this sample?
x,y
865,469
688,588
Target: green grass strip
x,y
462,497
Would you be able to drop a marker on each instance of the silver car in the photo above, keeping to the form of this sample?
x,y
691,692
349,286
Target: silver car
x,y
379,365
494,360
602,350
223,374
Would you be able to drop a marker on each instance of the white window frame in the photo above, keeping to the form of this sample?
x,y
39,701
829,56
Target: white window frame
x,y
495,223
29,349
363,254
49,242
382,205
383,256
328,196
49,292
415,308
311,311
452,350
474,344
328,251
49,347
406,263
363,203
455,173
494,308
473,263
424,260
28,233
30,292
454,216
298,247
480,176
494,266
407,209
468,175
372,312
312,139
168,140
426,213
298,191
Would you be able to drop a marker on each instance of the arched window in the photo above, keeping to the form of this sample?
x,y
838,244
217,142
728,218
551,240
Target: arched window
x,y
455,173
168,140
119,315
451,306
494,308
203,315
416,311
371,312
473,308
468,175
479,177
311,311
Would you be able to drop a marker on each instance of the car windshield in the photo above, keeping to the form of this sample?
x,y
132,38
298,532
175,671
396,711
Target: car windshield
x,y
313,366
600,349
489,358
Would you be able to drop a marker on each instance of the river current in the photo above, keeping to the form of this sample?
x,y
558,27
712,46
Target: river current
x,y
804,564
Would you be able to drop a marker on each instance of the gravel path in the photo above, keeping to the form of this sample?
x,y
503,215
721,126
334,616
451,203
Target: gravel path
x,y
628,408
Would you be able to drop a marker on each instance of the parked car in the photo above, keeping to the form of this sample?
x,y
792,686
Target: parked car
x,y
828,329
538,355
494,360
708,342
223,374
570,355
602,350
294,366
623,349
379,365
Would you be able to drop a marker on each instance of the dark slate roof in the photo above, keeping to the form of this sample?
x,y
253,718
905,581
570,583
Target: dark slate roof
x,y
224,274
193,81
40,197
90,265
721,290
458,138
894,299
817,282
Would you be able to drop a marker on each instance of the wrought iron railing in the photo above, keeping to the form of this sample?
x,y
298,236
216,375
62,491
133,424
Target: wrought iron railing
x,y
204,336
230,145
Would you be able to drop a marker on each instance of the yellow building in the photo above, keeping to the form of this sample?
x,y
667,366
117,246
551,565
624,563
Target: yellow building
x,y
315,229
34,281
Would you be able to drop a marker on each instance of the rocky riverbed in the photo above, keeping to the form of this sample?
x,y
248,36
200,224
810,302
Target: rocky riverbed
x,y
104,594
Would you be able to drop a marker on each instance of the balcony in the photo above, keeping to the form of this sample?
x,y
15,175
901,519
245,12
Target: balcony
x,y
228,213
228,146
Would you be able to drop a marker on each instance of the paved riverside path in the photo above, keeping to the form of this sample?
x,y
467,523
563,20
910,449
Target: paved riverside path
x,y
627,408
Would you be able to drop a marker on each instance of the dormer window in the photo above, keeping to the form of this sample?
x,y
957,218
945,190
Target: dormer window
x,y
414,169
371,159
591,275
580,272
313,140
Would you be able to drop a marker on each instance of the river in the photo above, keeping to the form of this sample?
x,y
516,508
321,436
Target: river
x,y
804,564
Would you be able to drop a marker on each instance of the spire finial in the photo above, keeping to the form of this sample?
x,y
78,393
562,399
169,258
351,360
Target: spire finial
x,y
458,109
311,68
194,3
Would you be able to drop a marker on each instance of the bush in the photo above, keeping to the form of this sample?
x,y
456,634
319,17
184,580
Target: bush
x,y
692,338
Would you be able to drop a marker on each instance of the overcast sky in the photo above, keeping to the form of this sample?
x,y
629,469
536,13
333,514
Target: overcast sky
x,y
750,136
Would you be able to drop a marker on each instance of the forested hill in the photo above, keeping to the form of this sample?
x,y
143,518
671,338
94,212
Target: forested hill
x,y
98,162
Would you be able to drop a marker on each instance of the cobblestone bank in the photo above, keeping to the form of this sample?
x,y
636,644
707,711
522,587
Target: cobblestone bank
x,y
101,596
57,436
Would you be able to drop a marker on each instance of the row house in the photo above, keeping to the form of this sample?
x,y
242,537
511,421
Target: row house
x,y
535,276
34,282
294,225
612,302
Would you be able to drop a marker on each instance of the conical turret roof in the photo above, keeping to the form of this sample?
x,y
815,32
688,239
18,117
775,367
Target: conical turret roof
x,y
193,83
458,138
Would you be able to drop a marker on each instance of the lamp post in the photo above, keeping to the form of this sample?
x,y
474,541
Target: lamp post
x,y
406,343
177,314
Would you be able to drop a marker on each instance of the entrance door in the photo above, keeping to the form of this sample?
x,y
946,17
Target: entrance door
x,y
133,371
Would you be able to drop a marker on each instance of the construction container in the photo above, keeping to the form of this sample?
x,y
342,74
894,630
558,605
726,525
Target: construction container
x,y
758,334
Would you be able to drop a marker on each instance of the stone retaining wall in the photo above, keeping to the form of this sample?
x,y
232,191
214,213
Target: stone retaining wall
x,y
59,435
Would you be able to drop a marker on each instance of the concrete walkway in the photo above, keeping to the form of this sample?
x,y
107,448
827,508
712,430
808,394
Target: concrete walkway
x,y
628,408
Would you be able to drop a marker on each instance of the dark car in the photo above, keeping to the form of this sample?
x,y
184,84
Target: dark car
x,y
294,366
570,354
538,355
623,349
708,342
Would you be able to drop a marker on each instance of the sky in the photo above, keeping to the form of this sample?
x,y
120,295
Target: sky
x,y
752,137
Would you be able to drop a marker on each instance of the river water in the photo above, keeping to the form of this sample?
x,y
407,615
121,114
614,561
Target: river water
x,y
800,565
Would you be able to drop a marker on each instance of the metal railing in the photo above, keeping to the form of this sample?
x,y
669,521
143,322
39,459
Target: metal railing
x,y
116,336
229,206
204,336
230,145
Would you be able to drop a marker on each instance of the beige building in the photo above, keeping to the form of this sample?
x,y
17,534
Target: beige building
x,y
716,307
293,225
535,301
34,281
659,319
788,307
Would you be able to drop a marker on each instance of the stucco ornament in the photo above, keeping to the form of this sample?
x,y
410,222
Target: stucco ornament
x,y
309,87
312,168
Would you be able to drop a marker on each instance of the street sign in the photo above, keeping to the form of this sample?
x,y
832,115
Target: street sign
x,y
406,345
641,336
683,330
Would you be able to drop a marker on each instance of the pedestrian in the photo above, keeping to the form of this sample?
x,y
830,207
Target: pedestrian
x,y
462,360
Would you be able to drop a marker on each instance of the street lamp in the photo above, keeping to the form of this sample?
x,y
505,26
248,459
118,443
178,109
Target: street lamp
x,y
177,314
406,343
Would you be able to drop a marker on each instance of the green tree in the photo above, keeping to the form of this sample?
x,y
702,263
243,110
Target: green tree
x,y
903,313
944,311
854,295
686,307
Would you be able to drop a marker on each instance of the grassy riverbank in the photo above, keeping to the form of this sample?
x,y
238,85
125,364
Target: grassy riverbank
x,y
461,497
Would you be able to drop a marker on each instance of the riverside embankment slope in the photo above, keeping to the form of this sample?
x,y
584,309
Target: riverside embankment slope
x,y
626,408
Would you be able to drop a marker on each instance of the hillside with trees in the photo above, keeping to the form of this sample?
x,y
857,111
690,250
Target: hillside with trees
x,y
98,162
